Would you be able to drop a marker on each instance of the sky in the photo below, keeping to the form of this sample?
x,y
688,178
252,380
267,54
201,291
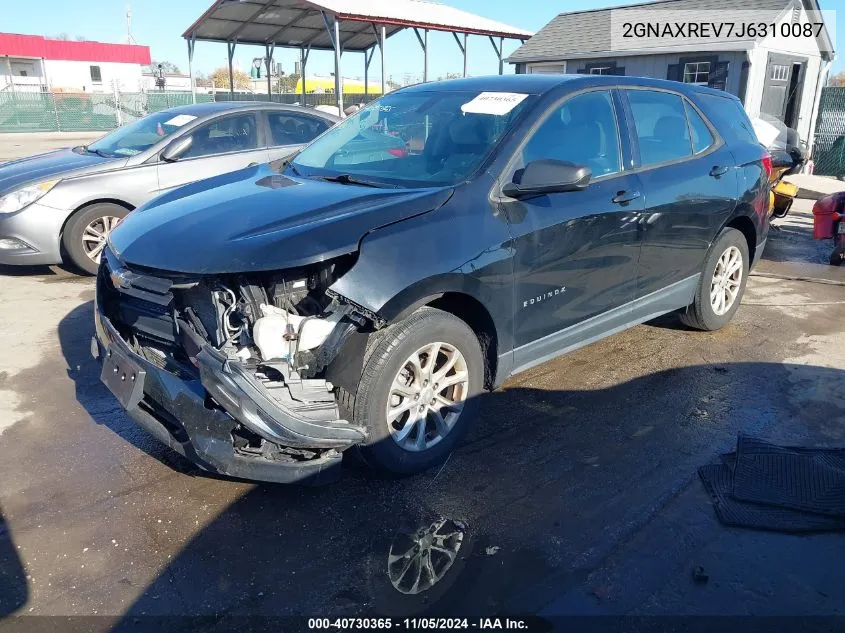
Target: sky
x,y
159,24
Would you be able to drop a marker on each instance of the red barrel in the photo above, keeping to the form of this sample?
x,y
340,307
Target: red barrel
x,y
826,211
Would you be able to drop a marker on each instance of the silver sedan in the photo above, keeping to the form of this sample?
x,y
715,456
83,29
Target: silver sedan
x,y
59,207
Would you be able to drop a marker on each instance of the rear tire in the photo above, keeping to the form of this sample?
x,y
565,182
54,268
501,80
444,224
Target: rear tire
x,y
413,421
80,239
722,283
838,255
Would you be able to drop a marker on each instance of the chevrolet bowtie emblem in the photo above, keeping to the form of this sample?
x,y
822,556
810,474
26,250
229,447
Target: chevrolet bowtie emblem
x,y
121,279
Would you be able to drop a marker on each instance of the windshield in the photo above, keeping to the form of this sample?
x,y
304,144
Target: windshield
x,y
414,139
140,135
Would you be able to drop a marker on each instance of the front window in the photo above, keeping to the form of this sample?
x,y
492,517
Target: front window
x,y
697,73
140,135
415,139
582,131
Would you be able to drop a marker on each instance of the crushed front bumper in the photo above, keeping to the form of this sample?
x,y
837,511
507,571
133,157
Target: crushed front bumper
x,y
177,412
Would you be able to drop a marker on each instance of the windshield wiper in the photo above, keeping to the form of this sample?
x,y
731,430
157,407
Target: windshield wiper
x,y
347,179
98,152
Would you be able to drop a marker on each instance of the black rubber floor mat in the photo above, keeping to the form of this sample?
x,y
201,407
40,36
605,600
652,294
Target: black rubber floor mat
x,y
809,480
718,479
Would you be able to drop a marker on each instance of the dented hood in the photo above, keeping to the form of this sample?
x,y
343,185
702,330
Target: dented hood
x,y
257,219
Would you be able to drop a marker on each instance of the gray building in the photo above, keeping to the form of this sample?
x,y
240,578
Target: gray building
x,y
778,71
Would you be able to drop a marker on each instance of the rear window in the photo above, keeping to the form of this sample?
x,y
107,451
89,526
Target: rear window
x,y
729,117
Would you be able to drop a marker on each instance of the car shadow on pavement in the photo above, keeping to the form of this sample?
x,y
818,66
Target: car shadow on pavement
x,y
545,486
13,586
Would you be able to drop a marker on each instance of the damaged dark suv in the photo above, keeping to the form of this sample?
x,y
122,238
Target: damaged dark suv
x,y
364,293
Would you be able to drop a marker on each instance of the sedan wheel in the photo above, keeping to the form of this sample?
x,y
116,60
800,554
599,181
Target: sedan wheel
x,y
427,396
87,232
96,235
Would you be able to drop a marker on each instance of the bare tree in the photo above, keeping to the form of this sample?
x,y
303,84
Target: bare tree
x,y
837,80
168,67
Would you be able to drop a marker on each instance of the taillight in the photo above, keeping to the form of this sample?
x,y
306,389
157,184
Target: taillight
x,y
398,153
767,165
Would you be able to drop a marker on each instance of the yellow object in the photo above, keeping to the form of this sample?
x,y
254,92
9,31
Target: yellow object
x,y
326,84
786,189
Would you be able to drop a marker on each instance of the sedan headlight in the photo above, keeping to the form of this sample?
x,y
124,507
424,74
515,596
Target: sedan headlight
x,y
19,198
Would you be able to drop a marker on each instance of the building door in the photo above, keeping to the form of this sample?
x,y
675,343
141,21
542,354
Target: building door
x,y
782,88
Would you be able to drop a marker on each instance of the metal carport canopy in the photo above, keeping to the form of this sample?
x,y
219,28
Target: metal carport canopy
x,y
339,26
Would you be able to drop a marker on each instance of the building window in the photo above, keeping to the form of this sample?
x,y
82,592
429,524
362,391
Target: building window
x,y
697,73
780,72
601,70
22,73
96,76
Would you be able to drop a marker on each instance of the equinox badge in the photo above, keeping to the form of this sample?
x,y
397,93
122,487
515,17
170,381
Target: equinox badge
x,y
544,296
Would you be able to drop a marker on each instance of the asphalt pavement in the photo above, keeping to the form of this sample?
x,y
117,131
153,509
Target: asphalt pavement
x,y
575,492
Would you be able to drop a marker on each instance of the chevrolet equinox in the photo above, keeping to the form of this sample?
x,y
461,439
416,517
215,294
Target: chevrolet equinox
x,y
363,293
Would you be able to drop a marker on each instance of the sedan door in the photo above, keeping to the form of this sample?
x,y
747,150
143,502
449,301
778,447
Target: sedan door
x,y
222,145
289,131
575,252
689,177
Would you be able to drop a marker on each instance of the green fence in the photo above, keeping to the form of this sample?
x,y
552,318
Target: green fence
x,y
81,112
829,145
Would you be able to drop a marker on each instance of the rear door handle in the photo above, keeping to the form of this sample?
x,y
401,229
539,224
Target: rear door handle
x,y
718,170
624,197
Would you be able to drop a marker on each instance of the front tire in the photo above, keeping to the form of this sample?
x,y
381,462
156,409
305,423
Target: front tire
x,y
722,283
86,232
418,391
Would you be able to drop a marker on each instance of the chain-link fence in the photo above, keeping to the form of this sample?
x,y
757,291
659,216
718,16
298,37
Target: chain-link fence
x,y
312,99
829,146
80,112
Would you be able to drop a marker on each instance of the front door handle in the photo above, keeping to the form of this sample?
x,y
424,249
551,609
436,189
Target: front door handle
x,y
718,170
624,197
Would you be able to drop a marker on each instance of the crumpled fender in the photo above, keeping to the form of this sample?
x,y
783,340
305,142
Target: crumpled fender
x,y
461,248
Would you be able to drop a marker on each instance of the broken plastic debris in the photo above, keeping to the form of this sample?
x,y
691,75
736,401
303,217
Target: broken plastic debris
x,y
492,550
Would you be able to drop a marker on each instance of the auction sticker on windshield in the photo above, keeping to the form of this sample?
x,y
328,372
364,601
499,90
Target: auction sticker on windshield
x,y
180,119
498,103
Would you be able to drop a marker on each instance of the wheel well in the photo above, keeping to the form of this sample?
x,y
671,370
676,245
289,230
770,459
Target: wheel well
x,y
745,226
473,313
82,207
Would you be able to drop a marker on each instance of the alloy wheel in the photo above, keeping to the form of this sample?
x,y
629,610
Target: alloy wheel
x,y
417,562
96,235
427,396
727,278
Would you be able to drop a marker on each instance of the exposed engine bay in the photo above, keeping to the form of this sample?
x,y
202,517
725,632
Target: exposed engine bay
x,y
259,344
271,317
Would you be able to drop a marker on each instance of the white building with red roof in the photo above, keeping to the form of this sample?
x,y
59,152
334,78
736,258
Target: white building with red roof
x,y
36,63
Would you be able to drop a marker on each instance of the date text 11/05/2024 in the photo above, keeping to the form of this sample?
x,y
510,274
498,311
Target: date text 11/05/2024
x,y
739,30
418,624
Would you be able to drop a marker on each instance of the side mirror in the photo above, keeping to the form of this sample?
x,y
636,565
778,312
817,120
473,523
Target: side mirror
x,y
547,176
177,148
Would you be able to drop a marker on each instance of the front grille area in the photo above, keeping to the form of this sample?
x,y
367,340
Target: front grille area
x,y
139,306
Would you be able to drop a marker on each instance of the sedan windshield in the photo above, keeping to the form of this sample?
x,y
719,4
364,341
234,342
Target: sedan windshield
x,y
414,139
140,135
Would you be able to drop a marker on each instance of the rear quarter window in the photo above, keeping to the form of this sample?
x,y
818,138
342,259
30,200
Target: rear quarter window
x,y
729,117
